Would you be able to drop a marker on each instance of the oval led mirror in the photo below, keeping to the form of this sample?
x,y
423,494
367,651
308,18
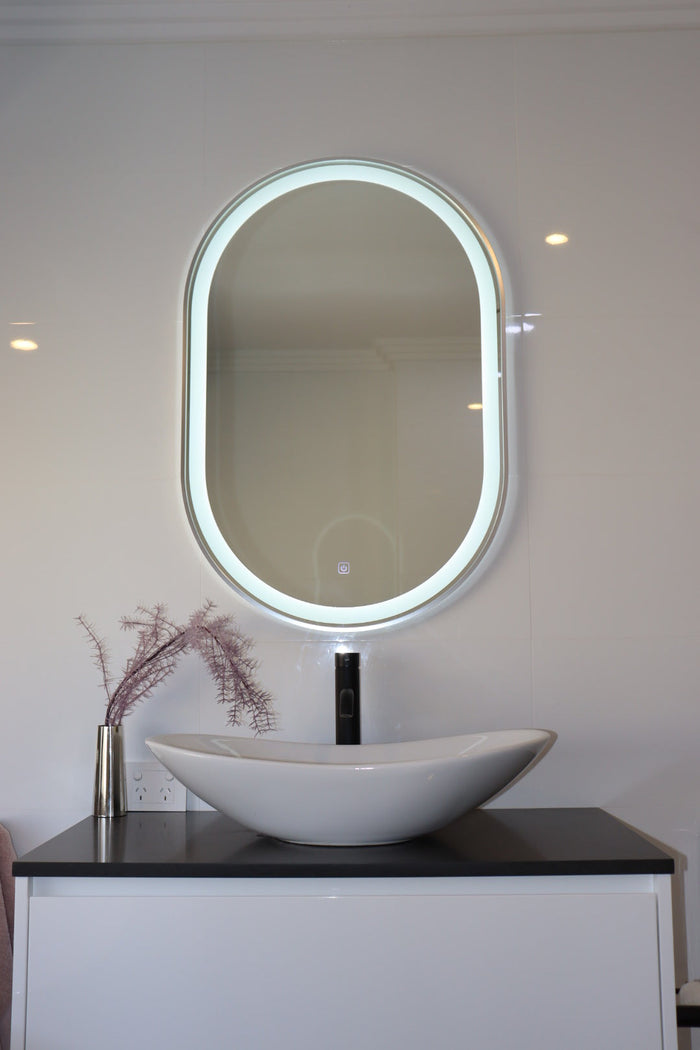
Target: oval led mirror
x,y
343,452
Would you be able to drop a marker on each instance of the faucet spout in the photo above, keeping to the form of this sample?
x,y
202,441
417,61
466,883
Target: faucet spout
x,y
347,698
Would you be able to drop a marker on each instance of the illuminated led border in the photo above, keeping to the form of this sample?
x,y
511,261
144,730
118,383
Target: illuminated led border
x,y
490,288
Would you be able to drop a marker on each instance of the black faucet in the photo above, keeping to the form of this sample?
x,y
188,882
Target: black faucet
x,y
347,698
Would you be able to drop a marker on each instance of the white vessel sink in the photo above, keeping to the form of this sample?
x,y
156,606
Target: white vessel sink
x,y
352,794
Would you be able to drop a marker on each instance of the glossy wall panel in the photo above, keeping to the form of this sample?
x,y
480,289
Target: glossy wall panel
x,y
115,158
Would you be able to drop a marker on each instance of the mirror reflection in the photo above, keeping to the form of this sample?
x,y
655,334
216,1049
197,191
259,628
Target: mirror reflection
x,y
341,357
343,347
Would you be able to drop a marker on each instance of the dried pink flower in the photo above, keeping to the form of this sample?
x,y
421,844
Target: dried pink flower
x,y
160,642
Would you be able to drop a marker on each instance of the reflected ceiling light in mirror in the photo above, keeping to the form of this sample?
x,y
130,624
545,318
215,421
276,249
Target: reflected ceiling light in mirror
x,y
23,342
518,323
481,258
556,239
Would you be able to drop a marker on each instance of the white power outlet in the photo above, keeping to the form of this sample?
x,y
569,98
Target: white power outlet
x,y
150,786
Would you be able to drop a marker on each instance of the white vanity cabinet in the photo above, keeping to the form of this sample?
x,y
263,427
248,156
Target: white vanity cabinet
x,y
267,955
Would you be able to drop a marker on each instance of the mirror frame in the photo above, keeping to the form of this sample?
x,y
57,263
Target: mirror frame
x,y
492,306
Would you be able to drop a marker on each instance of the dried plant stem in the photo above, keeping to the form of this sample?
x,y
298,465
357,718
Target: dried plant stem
x,y
160,642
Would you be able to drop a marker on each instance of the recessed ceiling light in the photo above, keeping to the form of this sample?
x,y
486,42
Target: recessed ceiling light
x,y
475,406
556,238
24,344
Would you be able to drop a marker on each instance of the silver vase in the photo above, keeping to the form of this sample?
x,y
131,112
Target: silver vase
x,y
110,780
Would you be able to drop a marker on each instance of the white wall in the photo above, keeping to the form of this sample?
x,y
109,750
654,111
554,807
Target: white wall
x,y
113,160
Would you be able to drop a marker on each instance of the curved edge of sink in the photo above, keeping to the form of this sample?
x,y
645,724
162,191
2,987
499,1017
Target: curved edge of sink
x,y
263,749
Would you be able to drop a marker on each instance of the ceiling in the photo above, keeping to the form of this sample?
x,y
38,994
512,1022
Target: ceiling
x,y
42,21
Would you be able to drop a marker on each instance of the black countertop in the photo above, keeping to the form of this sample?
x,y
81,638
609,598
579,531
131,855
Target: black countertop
x,y
485,842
